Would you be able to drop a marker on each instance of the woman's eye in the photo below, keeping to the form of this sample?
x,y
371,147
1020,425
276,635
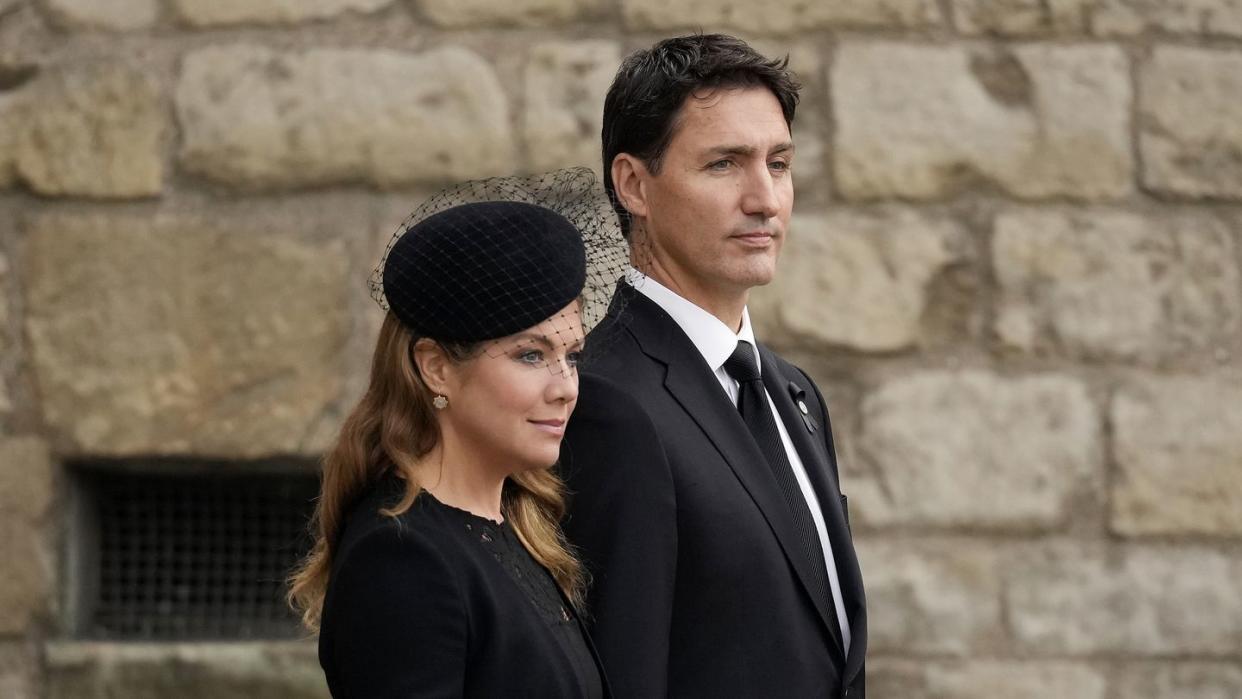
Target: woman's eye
x,y
573,358
531,357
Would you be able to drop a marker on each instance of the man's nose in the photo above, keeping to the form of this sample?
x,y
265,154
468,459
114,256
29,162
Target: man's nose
x,y
759,197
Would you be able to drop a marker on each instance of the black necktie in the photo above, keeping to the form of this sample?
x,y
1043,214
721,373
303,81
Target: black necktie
x,y
752,403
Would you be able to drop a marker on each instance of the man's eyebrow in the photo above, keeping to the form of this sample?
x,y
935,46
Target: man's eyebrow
x,y
740,150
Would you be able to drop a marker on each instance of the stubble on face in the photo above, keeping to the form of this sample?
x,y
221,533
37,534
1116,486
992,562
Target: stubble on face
x,y
719,207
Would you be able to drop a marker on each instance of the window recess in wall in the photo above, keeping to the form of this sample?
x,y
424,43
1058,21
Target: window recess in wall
x,y
164,550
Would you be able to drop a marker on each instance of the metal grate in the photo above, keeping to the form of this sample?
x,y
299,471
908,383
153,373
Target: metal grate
x,y
194,556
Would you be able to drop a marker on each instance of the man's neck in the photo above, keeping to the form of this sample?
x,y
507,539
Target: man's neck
x,y
726,306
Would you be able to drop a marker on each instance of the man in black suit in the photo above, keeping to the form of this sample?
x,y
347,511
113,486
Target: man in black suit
x,y
705,499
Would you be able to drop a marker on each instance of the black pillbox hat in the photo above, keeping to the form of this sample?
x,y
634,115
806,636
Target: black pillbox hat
x,y
483,270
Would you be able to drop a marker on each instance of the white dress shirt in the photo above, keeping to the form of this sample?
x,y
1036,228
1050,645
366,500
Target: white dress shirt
x,y
716,342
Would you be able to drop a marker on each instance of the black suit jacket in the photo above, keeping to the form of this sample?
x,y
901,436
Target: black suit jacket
x,y
417,608
683,527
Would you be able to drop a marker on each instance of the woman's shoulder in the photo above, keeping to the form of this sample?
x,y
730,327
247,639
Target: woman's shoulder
x,y
418,534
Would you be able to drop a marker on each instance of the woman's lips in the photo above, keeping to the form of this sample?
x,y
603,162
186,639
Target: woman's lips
x,y
555,427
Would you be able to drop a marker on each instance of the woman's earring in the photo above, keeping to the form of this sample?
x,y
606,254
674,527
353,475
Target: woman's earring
x,y
440,402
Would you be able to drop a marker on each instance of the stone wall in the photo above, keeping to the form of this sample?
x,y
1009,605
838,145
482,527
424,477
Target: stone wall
x,y
1016,270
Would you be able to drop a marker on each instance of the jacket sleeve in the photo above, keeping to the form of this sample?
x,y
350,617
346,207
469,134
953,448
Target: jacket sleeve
x,y
623,523
400,624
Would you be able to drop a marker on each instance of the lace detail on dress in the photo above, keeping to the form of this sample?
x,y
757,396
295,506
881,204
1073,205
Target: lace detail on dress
x,y
504,546
525,571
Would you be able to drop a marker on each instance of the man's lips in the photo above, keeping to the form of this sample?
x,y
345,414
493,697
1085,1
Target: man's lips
x,y
755,238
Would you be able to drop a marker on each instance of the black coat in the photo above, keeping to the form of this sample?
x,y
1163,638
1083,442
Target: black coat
x,y
418,608
683,527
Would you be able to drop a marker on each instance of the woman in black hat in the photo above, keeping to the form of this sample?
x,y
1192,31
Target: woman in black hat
x,y
439,568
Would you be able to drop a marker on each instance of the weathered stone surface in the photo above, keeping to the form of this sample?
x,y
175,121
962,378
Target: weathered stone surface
x,y
1114,284
466,13
274,670
94,131
26,493
1211,17
970,448
1184,680
18,671
117,15
15,77
858,280
216,12
1099,17
1191,125
1078,598
9,121
4,317
778,16
1178,448
255,117
984,679
935,597
924,121
1019,17
565,87
175,334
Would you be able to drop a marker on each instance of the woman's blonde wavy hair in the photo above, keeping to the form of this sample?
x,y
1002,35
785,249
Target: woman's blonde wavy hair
x,y
391,428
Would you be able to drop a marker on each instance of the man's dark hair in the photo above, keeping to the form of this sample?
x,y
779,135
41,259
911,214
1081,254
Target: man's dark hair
x,y
642,106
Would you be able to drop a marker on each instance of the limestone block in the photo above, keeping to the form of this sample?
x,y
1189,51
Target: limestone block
x,y
1019,17
857,280
5,300
164,333
525,13
937,598
565,87
271,670
19,668
1178,447
1077,598
924,122
258,118
1113,284
1099,17
206,13
1191,122
984,679
1184,680
970,448
15,79
94,131
26,494
778,16
116,15
1126,17
9,124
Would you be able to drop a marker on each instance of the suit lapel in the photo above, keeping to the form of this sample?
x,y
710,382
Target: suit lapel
x,y
694,386
790,398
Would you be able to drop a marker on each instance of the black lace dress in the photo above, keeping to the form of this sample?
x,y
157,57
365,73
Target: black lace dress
x,y
499,540
438,602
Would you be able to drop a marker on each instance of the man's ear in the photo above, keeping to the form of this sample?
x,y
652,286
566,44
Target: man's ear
x,y
433,365
629,177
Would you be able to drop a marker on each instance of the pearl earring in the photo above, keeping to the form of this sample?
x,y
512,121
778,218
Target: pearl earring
x,y
440,402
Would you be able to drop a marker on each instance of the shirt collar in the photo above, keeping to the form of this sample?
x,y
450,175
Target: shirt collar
x,y
711,337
